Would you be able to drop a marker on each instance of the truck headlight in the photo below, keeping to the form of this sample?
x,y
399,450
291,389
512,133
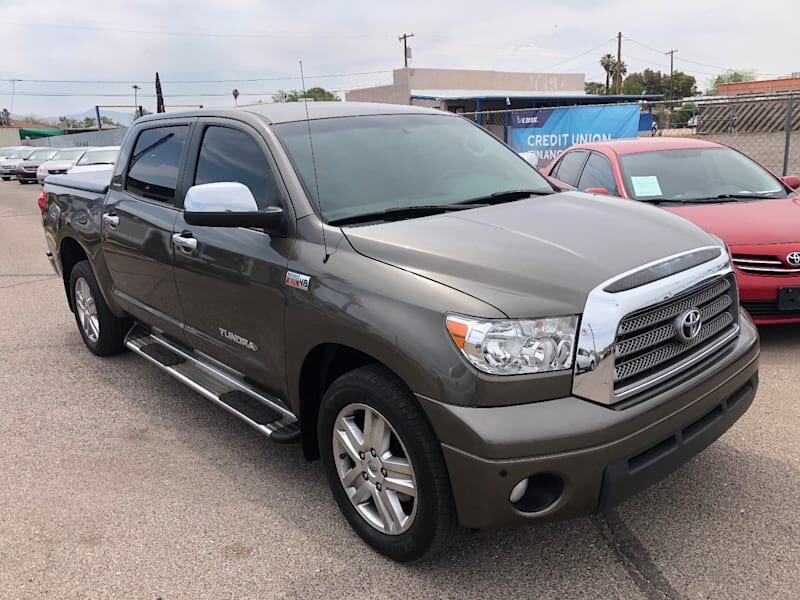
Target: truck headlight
x,y
515,346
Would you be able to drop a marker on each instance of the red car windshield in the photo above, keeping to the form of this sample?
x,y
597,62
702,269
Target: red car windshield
x,y
697,175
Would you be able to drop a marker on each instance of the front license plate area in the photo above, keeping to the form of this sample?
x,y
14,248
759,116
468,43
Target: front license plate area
x,y
789,298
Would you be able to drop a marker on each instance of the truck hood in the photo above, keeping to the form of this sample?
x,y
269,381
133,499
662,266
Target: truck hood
x,y
748,223
534,257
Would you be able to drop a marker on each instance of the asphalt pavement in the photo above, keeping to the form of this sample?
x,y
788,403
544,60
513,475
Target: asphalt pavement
x,y
118,482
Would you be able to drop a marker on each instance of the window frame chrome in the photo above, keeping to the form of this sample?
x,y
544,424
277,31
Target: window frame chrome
x,y
604,311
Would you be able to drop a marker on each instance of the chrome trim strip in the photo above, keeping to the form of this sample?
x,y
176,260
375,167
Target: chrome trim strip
x,y
767,269
624,392
756,261
605,310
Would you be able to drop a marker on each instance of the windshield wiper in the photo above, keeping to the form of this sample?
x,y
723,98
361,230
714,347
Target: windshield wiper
x,y
507,196
401,212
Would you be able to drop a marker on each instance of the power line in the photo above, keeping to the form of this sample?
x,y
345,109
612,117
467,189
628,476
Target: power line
x,y
183,81
576,56
687,60
196,33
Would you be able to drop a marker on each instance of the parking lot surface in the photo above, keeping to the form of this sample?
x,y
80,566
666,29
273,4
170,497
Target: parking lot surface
x,y
117,481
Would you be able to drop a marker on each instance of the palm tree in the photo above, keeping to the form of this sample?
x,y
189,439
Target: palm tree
x,y
623,70
607,61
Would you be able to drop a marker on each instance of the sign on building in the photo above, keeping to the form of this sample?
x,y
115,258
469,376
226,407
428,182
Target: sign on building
x,y
547,132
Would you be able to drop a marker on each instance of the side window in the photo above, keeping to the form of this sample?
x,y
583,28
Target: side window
x,y
231,155
153,170
598,173
570,167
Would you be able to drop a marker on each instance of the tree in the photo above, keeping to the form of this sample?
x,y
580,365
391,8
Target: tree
x,y
623,69
594,87
317,94
683,85
607,61
634,84
731,76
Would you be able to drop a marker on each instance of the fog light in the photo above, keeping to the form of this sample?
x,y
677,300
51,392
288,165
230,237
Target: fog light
x,y
519,491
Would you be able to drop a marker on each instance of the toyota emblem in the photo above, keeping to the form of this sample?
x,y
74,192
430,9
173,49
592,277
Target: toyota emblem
x,y
689,325
793,258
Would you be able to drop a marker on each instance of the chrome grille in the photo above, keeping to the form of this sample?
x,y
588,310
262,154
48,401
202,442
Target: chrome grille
x,y
648,345
758,264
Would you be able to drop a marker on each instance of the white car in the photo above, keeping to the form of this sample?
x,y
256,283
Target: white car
x,y
7,151
8,165
60,163
97,159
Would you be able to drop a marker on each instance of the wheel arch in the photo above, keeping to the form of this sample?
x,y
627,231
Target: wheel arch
x,y
70,253
322,366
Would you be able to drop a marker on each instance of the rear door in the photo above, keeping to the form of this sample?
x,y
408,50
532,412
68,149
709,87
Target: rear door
x,y
231,285
137,224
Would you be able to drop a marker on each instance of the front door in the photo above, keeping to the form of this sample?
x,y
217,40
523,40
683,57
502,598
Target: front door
x,y
137,223
231,284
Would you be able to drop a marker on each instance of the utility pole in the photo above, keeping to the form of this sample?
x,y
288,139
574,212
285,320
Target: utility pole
x,y
617,71
404,38
671,60
136,89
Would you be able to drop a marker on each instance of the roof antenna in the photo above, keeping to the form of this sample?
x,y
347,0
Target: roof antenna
x,y
314,163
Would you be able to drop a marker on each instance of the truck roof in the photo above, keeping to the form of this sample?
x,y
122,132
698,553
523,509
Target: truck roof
x,y
285,112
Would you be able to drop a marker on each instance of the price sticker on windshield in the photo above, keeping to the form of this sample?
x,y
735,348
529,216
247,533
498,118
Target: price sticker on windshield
x,y
646,185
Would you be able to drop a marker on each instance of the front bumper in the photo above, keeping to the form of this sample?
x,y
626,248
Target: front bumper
x,y
25,175
601,454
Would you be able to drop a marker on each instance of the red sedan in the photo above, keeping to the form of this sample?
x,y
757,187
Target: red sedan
x,y
720,189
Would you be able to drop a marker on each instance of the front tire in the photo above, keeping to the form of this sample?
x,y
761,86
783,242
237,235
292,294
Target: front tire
x,y
384,465
102,332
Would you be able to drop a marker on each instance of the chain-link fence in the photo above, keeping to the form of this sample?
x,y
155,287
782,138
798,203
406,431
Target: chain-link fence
x,y
104,137
766,128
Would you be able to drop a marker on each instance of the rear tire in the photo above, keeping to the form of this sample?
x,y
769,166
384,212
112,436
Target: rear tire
x,y
102,332
401,503
6,178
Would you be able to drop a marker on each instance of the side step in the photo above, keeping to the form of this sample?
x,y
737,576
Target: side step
x,y
217,383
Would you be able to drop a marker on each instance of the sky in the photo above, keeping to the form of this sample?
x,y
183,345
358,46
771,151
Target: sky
x,y
256,45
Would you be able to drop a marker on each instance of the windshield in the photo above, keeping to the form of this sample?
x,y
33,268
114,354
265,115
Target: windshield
x,y
696,174
99,157
369,164
21,153
41,155
4,152
68,154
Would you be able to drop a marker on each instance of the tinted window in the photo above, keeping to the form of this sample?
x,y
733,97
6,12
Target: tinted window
x,y
598,173
153,172
569,167
697,174
369,164
231,155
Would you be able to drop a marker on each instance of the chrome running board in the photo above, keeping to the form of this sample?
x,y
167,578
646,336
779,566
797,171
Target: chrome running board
x,y
217,383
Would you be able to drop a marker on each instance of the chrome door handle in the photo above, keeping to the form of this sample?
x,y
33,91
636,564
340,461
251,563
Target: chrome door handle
x,y
187,244
111,220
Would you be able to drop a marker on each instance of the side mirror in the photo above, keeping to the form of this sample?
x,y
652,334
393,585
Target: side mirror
x,y
228,204
793,181
597,190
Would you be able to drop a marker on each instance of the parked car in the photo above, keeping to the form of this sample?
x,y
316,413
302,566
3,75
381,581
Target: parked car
x,y
7,151
8,165
406,298
61,162
97,159
25,171
756,213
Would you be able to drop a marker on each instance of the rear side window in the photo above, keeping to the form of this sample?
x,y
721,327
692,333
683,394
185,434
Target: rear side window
x,y
598,173
570,167
153,171
231,155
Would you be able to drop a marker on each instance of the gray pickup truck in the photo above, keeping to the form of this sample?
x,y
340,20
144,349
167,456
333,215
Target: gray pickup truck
x,y
400,292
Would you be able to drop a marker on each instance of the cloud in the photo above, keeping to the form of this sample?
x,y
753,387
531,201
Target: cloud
x,y
354,36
